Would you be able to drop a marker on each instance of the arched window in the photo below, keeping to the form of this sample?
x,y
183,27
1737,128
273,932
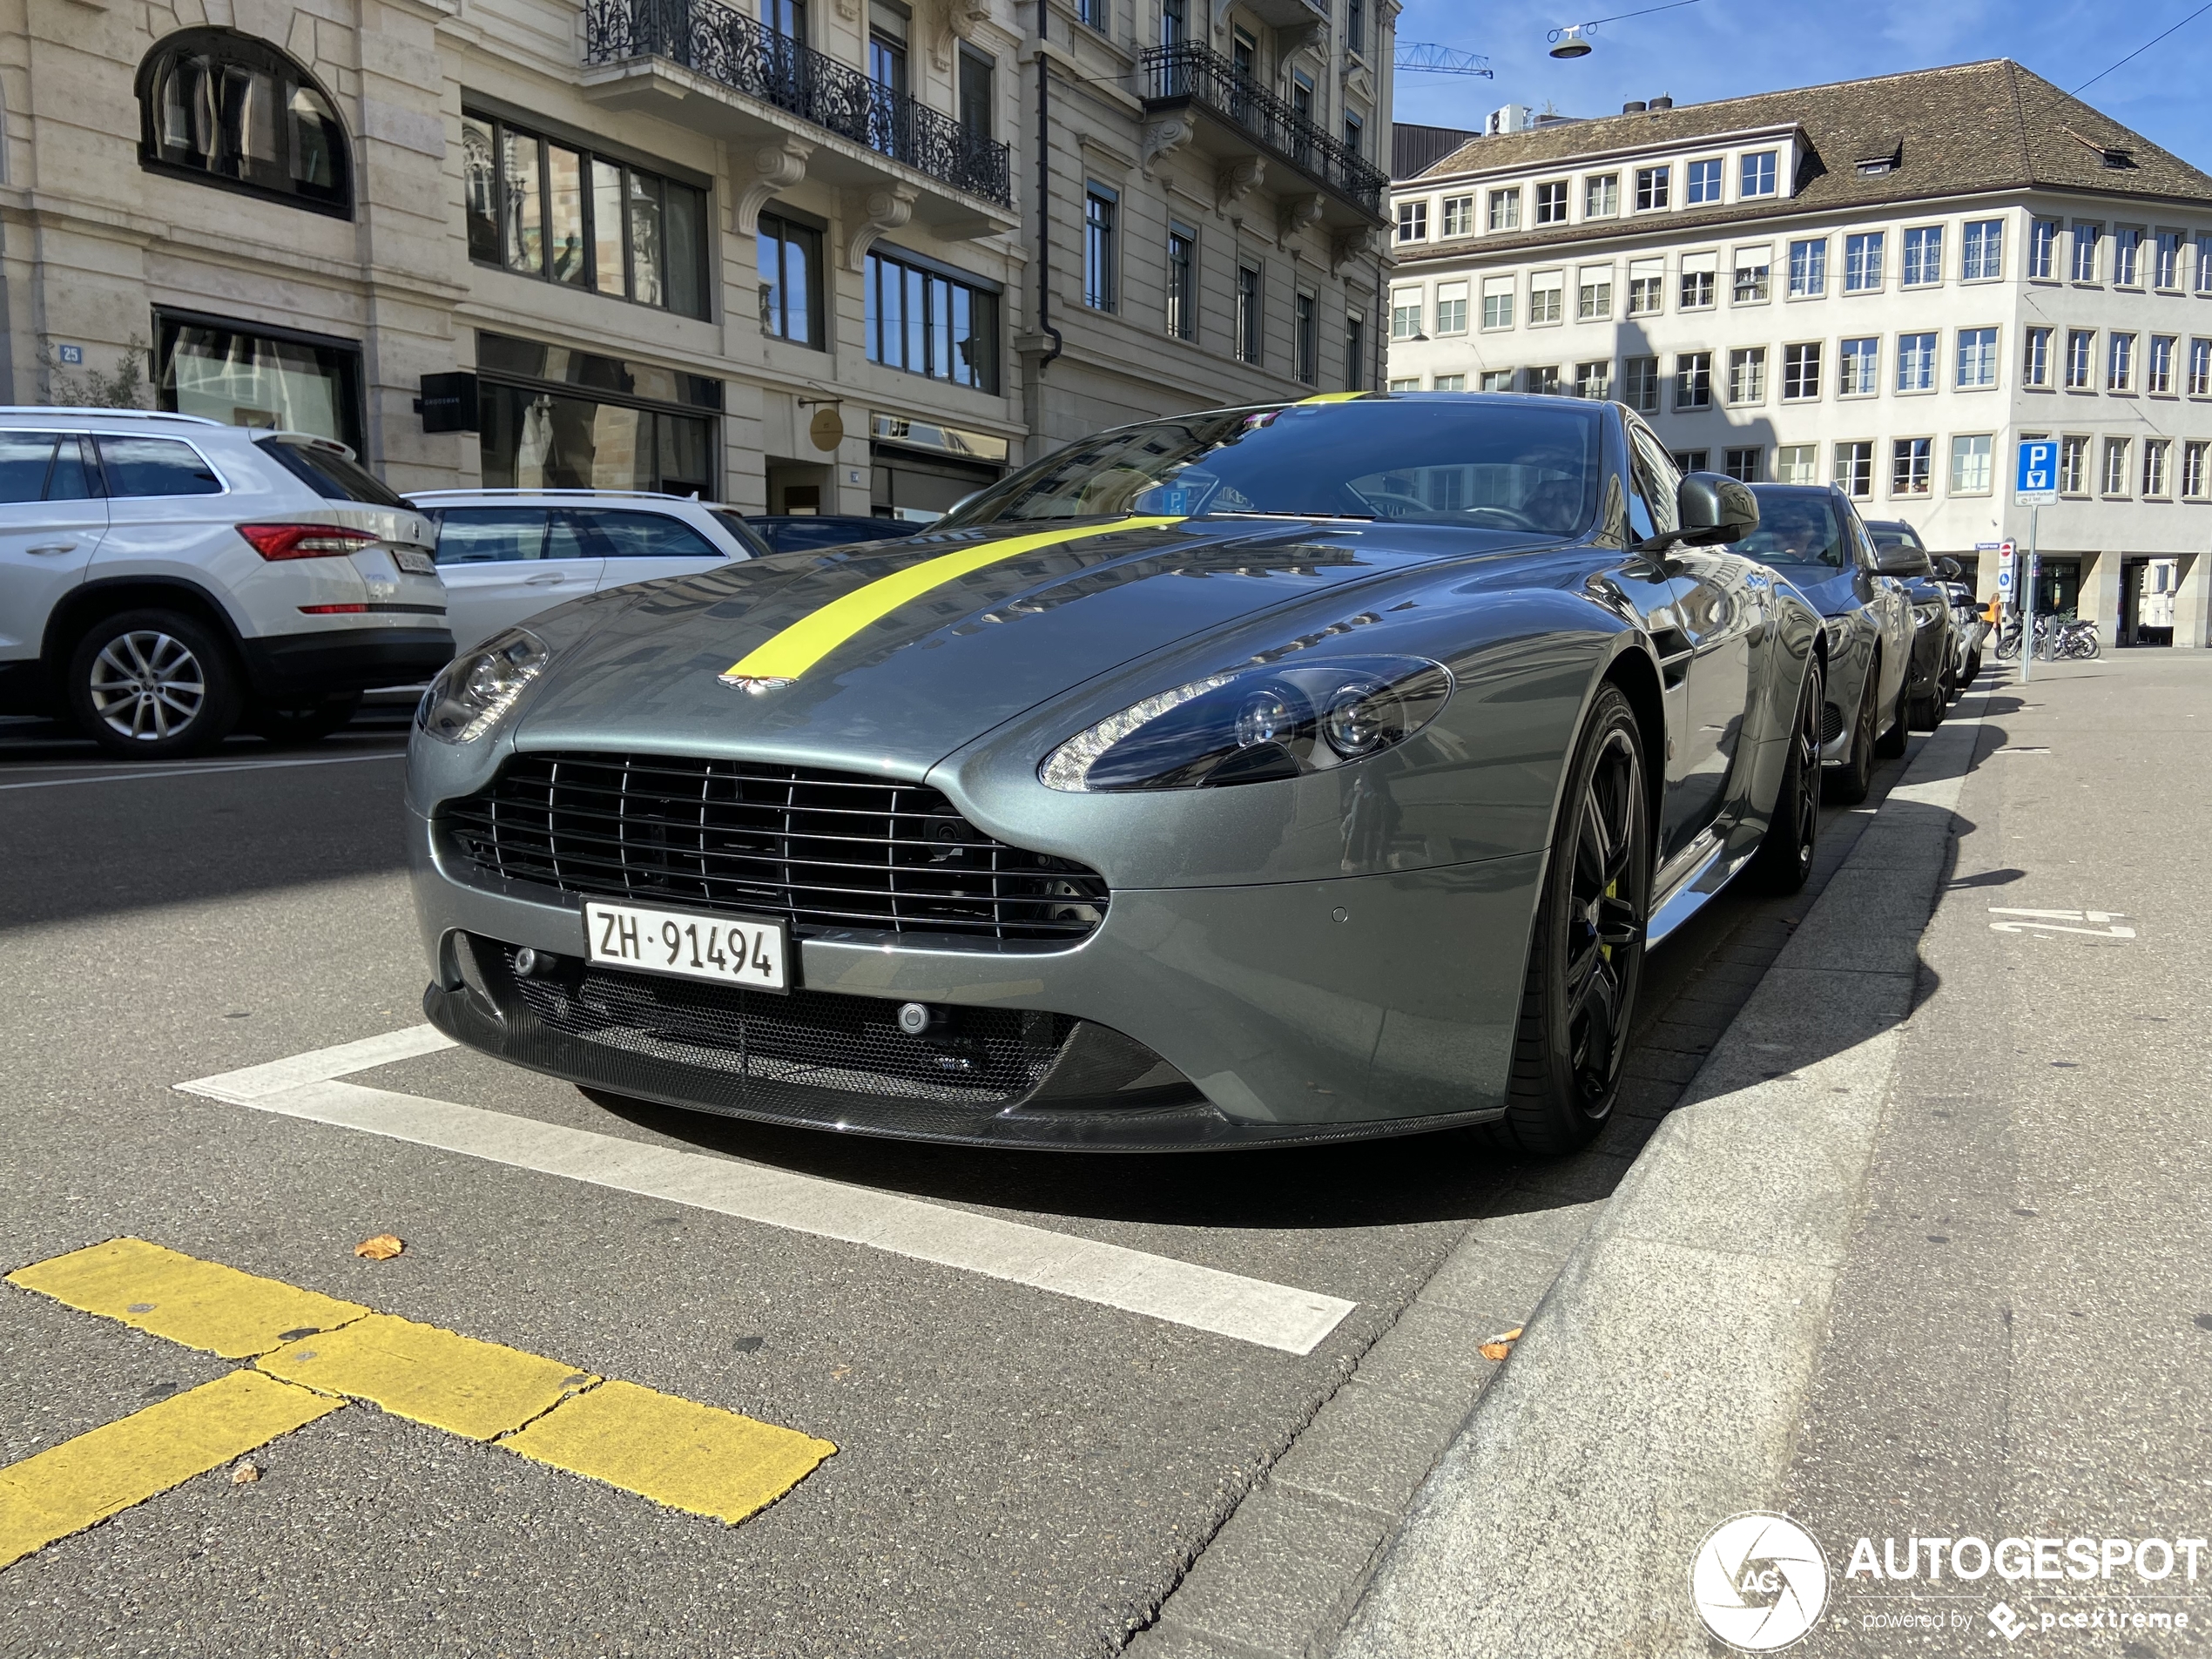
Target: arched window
x,y
227,109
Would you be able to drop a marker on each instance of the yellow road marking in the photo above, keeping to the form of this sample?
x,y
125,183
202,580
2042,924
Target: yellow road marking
x,y
82,1483
672,1451
478,1389
798,647
198,1304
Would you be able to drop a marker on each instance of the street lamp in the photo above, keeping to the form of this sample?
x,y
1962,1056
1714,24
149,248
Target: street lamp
x,y
1570,42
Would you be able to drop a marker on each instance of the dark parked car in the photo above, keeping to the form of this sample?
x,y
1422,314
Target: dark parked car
x,y
1939,652
1812,534
1299,772
806,532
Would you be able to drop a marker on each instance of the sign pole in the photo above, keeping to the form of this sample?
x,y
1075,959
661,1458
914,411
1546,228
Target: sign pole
x,y
2028,623
2036,484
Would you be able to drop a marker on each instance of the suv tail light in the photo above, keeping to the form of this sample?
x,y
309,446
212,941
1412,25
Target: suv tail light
x,y
305,540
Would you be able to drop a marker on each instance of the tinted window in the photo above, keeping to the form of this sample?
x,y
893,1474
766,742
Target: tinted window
x,y
72,478
487,535
329,474
156,467
1797,527
805,535
607,533
25,459
749,536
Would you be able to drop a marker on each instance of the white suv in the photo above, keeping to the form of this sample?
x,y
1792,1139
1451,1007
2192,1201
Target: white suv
x,y
508,554
164,577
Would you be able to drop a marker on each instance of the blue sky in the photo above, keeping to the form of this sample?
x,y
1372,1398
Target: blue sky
x,y
1727,48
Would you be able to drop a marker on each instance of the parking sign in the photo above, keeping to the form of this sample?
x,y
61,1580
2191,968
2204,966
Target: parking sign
x,y
2038,481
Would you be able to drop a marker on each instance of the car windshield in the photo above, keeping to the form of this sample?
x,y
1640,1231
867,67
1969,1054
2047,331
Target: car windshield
x,y
1797,527
1507,464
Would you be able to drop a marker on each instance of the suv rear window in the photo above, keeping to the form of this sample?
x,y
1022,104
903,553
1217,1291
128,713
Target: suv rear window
x,y
329,474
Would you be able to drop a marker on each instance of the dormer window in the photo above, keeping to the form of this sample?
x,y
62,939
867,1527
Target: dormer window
x,y
1875,167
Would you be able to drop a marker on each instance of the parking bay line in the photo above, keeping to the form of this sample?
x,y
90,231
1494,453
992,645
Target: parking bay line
x,y
1204,1298
203,772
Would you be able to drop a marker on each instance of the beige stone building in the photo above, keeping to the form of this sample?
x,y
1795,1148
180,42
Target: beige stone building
x,y
786,256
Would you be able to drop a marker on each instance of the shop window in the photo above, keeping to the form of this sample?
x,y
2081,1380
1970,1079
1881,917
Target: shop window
x,y
245,376
226,109
554,418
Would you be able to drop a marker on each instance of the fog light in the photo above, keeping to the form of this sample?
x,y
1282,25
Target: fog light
x,y
914,1018
525,961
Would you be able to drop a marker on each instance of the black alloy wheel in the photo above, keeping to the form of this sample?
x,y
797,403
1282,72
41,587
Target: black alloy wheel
x,y
1890,743
1586,953
1784,858
1849,783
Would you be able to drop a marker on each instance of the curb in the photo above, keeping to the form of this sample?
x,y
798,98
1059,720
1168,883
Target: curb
x,y
1658,1388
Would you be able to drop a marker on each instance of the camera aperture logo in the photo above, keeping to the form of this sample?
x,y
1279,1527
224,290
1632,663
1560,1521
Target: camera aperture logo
x,y
1759,1581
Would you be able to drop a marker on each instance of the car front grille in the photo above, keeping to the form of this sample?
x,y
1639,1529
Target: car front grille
x,y
823,850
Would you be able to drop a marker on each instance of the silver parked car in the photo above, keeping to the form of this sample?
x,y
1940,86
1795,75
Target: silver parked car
x,y
508,553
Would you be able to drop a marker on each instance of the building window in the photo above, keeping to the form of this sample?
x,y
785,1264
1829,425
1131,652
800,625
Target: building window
x,y
1800,372
1248,314
1751,275
1743,465
1923,256
1647,286
2161,377
1970,465
1797,463
1602,195
1544,380
1451,308
553,418
1698,280
2201,368
1497,302
1688,461
1459,216
1305,343
1545,297
1406,314
1452,382
1505,210
1977,358
1651,188
2085,251
2072,457
1640,384
2155,452
1355,352
2119,363
788,18
1909,463
2193,469
1593,294
1497,380
1981,257
244,376
1355,26
2080,345
1703,184
2042,248
1855,469
1355,134
1409,383
1551,203
1863,262
1096,13
2204,264
1412,222
1858,366
542,209
1694,379
1756,175
978,93
1593,380
790,261
2114,480
2167,270
1809,268
1916,360
1101,207
1183,281
223,108
929,322
2126,258
2035,359
1747,375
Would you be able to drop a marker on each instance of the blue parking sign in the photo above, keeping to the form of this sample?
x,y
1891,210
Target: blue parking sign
x,y
2038,481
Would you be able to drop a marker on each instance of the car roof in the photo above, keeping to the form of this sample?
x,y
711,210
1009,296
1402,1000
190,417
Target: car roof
x,y
47,412
653,497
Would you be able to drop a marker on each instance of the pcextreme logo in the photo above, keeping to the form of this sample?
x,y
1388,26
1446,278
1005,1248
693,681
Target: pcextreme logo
x,y
1759,1581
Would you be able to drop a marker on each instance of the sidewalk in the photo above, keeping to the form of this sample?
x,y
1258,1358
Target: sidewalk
x,y
1923,1253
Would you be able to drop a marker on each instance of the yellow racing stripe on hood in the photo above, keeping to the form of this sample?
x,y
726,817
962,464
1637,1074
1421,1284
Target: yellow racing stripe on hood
x,y
798,648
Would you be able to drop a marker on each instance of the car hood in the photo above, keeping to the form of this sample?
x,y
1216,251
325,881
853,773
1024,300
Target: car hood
x,y
956,656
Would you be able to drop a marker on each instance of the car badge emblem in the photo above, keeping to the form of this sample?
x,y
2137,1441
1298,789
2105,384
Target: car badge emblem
x,y
755,685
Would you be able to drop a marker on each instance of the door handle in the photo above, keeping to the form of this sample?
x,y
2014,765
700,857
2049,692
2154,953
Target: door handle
x,y
554,580
52,547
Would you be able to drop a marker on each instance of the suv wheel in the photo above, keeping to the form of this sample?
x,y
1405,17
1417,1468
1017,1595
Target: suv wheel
x,y
152,683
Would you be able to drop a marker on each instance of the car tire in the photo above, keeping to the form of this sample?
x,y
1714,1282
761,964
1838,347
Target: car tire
x,y
153,685
1925,714
1890,743
1848,784
308,722
1784,858
1586,951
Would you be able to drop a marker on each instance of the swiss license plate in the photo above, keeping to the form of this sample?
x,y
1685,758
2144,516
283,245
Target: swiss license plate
x,y
731,950
415,561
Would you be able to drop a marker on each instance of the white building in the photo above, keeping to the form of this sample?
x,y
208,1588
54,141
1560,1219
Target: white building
x,y
1884,283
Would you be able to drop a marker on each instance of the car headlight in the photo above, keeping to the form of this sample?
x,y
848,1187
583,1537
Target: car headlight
x,y
1254,726
474,691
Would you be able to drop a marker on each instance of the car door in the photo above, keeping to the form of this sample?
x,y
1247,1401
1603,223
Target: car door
x,y
503,564
1724,605
1654,586
51,520
1891,607
640,545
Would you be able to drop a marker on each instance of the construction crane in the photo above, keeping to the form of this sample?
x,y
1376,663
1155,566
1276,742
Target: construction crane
x,y
1426,57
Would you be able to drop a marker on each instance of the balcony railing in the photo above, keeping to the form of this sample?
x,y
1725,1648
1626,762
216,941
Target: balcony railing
x,y
1203,75
723,46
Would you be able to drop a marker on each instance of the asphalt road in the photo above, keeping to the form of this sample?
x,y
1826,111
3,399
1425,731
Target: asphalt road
x,y
1019,1473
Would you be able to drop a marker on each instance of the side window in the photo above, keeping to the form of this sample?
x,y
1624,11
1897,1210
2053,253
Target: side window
x,y
25,459
1655,482
72,478
1855,534
156,467
616,535
490,534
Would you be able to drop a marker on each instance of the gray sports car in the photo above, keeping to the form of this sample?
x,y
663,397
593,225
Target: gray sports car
x,y
1274,774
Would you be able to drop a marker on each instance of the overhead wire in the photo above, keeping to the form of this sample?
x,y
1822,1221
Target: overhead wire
x,y
2141,50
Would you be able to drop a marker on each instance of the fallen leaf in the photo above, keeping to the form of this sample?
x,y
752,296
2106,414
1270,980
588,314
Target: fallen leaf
x,y
1498,1347
245,1474
381,1248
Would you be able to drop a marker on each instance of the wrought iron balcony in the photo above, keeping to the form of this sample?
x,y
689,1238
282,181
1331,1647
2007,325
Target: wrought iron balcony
x,y
710,40
1198,74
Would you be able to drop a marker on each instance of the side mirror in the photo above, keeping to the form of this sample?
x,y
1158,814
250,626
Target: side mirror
x,y
1899,560
1949,569
1713,508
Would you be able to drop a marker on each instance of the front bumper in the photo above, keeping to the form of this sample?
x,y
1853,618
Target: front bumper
x,y
1291,1012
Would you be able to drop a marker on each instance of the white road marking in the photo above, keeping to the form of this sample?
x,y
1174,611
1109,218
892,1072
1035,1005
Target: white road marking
x,y
2051,921
1203,1299
202,772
